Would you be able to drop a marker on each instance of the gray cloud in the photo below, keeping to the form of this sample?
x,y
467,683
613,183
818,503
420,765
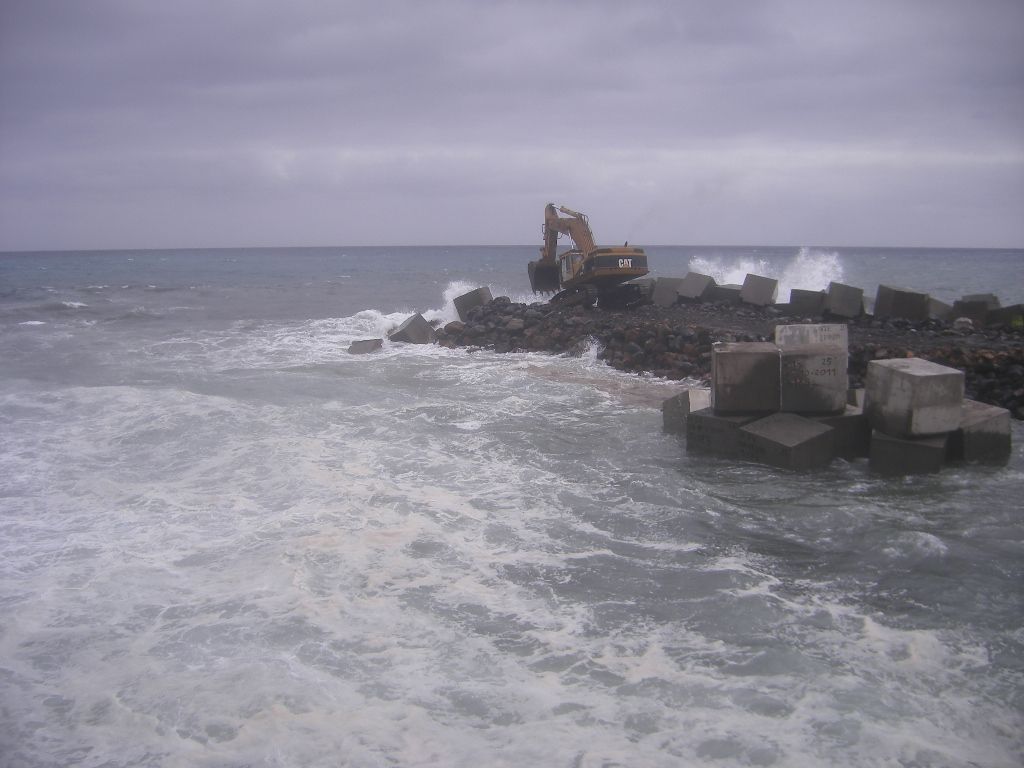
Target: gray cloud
x,y
219,123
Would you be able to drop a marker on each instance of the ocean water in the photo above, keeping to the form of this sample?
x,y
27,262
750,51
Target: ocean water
x,y
226,542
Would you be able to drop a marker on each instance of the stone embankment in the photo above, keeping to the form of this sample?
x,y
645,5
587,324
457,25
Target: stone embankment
x,y
676,341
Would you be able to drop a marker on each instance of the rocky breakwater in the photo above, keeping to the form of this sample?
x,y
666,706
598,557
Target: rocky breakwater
x,y
675,342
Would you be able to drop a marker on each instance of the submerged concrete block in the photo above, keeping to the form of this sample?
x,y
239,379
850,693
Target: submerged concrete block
x,y
813,379
844,300
786,440
666,291
675,410
710,433
912,397
745,377
695,287
365,346
759,291
802,302
983,434
728,293
851,432
906,456
901,302
833,334
415,330
467,301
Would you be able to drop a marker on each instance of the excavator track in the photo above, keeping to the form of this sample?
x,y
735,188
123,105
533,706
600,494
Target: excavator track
x,y
583,295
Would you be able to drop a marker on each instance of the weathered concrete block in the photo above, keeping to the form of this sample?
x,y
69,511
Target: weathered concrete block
x,y
901,302
365,346
906,456
675,410
983,434
745,377
467,301
939,310
415,330
714,434
990,300
911,397
975,311
1011,317
855,397
695,286
666,291
786,440
727,292
832,334
813,379
851,432
844,300
759,291
807,303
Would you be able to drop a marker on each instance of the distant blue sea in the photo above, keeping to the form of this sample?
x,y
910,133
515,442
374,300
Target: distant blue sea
x,y
227,542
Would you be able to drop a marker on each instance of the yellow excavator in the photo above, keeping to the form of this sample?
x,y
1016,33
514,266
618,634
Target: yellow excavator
x,y
585,273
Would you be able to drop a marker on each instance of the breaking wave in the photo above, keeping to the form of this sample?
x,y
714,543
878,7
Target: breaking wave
x,y
810,269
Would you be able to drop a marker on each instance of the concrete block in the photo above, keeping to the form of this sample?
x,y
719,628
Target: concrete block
x,y
851,432
807,303
365,346
901,302
939,310
727,293
975,311
1011,317
844,300
832,334
786,440
695,287
813,379
745,377
675,410
666,291
911,397
467,301
415,330
990,300
759,291
906,456
855,397
983,434
714,434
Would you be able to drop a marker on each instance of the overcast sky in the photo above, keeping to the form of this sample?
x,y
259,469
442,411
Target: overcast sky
x,y
192,123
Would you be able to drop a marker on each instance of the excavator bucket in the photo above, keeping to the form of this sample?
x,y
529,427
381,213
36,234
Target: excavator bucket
x,y
544,276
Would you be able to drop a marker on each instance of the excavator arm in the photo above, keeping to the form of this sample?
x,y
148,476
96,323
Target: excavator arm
x,y
544,272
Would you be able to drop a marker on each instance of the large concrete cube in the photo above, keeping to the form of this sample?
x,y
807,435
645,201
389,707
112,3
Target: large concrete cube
x,y
745,377
906,456
695,287
983,434
467,301
365,346
901,302
1011,317
726,293
975,310
939,310
666,291
714,434
759,291
844,300
911,397
786,440
806,303
813,379
675,410
851,432
415,330
833,334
